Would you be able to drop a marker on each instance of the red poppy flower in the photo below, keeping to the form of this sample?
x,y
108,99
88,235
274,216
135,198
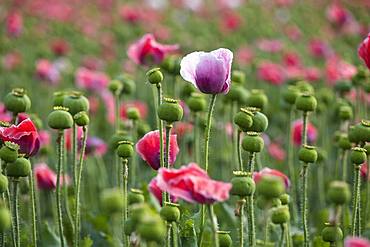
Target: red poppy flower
x,y
192,184
297,132
14,24
157,192
24,134
257,176
356,242
364,50
46,178
139,105
364,172
276,151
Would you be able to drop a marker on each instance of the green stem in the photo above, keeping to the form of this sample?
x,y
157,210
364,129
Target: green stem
x,y
356,190
160,129
15,212
344,165
266,227
196,138
304,129
241,222
60,141
238,143
174,237
282,236
124,186
133,169
304,204
33,208
167,151
169,233
234,138
367,190
214,225
74,153
77,227
116,176
251,218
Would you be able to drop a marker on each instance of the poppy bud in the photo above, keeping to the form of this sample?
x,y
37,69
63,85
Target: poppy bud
x,y
125,149
260,122
307,154
345,112
237,93
280,215
21,167
58,98
344,142
152,229
242,185
353,135
258,99
3,183
285,199
362,130
76,102
155,76
238,76
115,87
244,119
17,101
170,111
60,118
116,138
196,102
358,155
9,152
332,233
339,192
270,187
111,201
5,219
81,118
133,113
290,94
343,87
224,239
306,102
170,212
252,142
135,196
305,87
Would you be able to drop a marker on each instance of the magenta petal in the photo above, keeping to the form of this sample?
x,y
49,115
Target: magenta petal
x,y
189,65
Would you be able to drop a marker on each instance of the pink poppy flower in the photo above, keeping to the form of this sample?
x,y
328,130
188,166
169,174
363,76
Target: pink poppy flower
x,y
356,242
292,59
4,115
363,171
297,132
208,71
276,151
68,137
147,50
59,47
271,172
337,15
319,49
95,146
139,105
157,192
271,46
45,70
130,14
24,134
364,51
293,32
244,55
182,128
230,21
337,69
45,138
108,100
312,74
12,60
46,178
91,80
230,4
14,24
192,184
148,148
271,72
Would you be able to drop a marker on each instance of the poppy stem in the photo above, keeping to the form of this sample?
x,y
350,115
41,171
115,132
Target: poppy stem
x,y
174,236
133,169
74,153
356,199
240,160
116,176
304,204
282,236
78,186
124,172
196,138
241,222
167,159
213,218
15,212
304,129
33,207
60,144
251,220
160,129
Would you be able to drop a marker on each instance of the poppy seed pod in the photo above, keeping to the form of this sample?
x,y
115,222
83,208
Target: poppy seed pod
x,y
362,130
285,199
138,212
133,113
17,101
125,149
237,93
358,155
115,87
170,212
3,183
19,168
171,65
196,102
224,239
170,111
238,76
343,87
9,152
58,98
344,142
244,119
5,219
260,122
60,118
120,135
367,147
135,196
152,229
353,135
307,154
290,94
155,76
332,233
270,187
258,99
306,102
242,185
345,112
339,193
280,215
129,85
82,118
305,87
111,201
76,102
252,142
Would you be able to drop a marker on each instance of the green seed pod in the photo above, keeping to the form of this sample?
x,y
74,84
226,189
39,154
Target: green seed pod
x,y
344,142
196,102
82,119
280,215
270,187
142,128
5,219
9,152
285,199
170,212
321,156
187,90
275,202
306,102
3,183
244,119
345,112
139,211
154,76
258,99
326,96
362,130
36,121
129,86
168,64
60,119
19,168
358,155
237,93
152,229
242,185
129,227
17,101
238,76
116,138
224,239
290,94
307,154
367,147
339,193
305,87
353,135
111,201
115,87
76,102
133,113
343,87
260,122
252,142
125,149
135,196
170,111
58,98
332,234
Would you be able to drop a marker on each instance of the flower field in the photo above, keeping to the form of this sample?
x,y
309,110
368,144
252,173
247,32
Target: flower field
x,y
184,123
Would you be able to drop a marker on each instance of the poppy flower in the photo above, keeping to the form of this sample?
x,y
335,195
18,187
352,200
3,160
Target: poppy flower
x,y
24,134
148,147
46,178
14,24
139,105
157,192
95,146
297,132
257,176
276,151
319,49
192,184
208,71
59,47
337,69
271,72
364,51
47,71
4,115
271,46
356,242
364,171
147,50
91,79
12,60
338,15
45,138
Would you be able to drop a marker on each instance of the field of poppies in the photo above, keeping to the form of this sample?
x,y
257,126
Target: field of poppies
x,y
184,123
